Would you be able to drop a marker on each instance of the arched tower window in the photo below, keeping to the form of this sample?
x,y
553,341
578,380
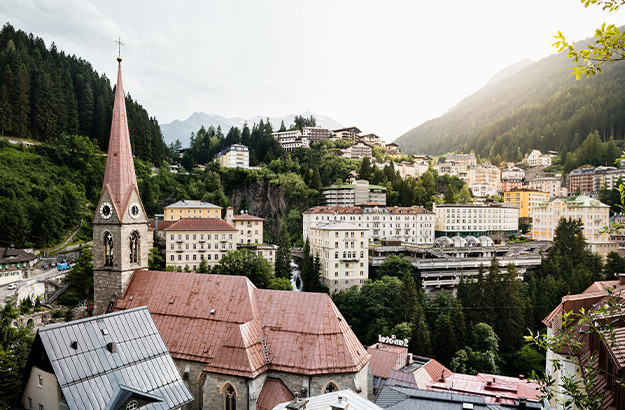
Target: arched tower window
x,y
108,249
330,388
230,398
134,247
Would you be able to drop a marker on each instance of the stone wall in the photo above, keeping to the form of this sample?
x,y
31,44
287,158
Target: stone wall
x,y
213,392
193,377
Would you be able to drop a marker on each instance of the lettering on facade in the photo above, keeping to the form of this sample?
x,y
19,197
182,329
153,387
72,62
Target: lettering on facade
x,y
392,340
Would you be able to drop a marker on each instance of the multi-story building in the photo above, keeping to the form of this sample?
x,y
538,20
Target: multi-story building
x,y
483,190
582,179
513,173
372,139
358,192
291,140
191,209
484,174
15,264
495,220
393,150
612,178
537,159
249,227
593,214
600,176
407,169
350,133
462,160
448,167
358,151
413,225
191,240
526,200
235,156
551,185
315,133
344,254
511,184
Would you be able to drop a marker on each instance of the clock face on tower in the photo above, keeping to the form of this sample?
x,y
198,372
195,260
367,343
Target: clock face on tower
x,y
134,210
106,210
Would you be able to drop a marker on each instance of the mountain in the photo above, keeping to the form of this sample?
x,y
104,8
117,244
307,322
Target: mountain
x,y
182,129
528,106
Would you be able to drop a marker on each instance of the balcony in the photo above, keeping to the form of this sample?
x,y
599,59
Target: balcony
x,y
202,240
179,250
179,240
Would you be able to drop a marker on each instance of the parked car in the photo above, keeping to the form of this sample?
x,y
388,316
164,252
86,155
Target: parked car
x,y
12,286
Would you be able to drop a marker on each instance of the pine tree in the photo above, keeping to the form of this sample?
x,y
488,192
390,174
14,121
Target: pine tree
x,y
409,298
420,338
283,254
9,379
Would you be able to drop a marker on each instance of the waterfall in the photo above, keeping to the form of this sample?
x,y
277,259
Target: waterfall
x,y
296,280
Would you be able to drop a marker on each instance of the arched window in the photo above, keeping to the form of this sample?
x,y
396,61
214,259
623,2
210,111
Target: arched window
x,y
108,249
134,247
330,388
230,398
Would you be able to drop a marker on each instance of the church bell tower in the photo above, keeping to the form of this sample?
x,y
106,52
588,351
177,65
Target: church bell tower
x,y
120,225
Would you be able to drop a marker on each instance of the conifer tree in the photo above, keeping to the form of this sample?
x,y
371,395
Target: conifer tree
x,y
283,254
420,338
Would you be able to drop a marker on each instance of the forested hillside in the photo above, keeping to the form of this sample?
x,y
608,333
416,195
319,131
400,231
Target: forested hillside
x,y
45,93
539,107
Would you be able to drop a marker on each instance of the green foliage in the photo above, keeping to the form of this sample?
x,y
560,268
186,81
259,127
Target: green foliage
x,y
283,254
203,267
397,266
45,93
281,284
80,277
245,262
156,261
15,344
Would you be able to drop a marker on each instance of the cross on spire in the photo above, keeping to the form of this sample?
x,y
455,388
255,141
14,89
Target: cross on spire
x,y
119,55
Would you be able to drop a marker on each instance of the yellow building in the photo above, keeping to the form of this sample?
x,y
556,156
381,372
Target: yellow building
x,y
191,209
249,227
525,199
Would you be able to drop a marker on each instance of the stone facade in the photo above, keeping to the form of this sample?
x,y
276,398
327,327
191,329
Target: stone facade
x,y
110,281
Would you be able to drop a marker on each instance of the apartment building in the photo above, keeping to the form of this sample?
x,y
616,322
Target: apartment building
x,y
372,139
393,150
359,150
344,254
291,140
407,169
484,174
582,179
249,227
448,167
191,240
350,133
537,159
593,214
512,173
413,225
191,209
235,156
463,160
526,200
358,192
315,133
495,220
511,184
551,185
611,178
599,178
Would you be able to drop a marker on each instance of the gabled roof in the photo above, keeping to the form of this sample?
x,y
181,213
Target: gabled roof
x,y
274,392
12,255
119,174
245,217
222,321
328,400
161,224
187,203
91,376
200,224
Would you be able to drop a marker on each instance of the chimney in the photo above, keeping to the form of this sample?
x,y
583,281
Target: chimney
x,y
342,404
111,347
522,402
297,403
230,215
621,279
442,379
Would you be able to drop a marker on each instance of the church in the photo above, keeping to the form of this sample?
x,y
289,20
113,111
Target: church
x,y
236,346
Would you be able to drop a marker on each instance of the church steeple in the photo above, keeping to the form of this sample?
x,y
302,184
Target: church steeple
x,y
119,176
120,226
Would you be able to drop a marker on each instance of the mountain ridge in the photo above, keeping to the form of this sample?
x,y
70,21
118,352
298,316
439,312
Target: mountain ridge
x,y
182,129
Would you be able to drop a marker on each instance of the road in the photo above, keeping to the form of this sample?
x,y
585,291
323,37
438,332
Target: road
x,y
23,284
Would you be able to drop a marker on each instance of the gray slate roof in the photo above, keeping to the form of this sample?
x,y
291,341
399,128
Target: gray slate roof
x,y
403,398
187,203
91,377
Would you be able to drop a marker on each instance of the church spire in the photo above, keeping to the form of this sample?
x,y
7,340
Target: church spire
x,y
119,176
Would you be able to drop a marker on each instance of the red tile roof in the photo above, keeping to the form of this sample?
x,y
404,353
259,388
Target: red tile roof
x,y
245,217
385,358
333,210
304,332
161,224
201,224
274,392
119,174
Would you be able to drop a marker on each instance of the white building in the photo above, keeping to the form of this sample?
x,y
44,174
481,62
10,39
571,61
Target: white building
x,y
413,225
495,220
291,140
512,173
537,159
358,192
358,151
463,160
551,185
343,250
484,176
235,156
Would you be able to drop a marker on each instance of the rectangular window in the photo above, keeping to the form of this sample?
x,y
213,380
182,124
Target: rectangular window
x,y
194,257
172,257
39,381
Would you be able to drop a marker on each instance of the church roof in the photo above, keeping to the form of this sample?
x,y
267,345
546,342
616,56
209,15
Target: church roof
x,y
223,320
119,175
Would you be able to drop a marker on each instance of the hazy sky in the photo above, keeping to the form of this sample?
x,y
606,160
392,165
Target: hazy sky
x,y
384,66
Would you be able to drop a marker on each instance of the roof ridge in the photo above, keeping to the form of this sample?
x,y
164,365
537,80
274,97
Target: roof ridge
x,y
89,319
